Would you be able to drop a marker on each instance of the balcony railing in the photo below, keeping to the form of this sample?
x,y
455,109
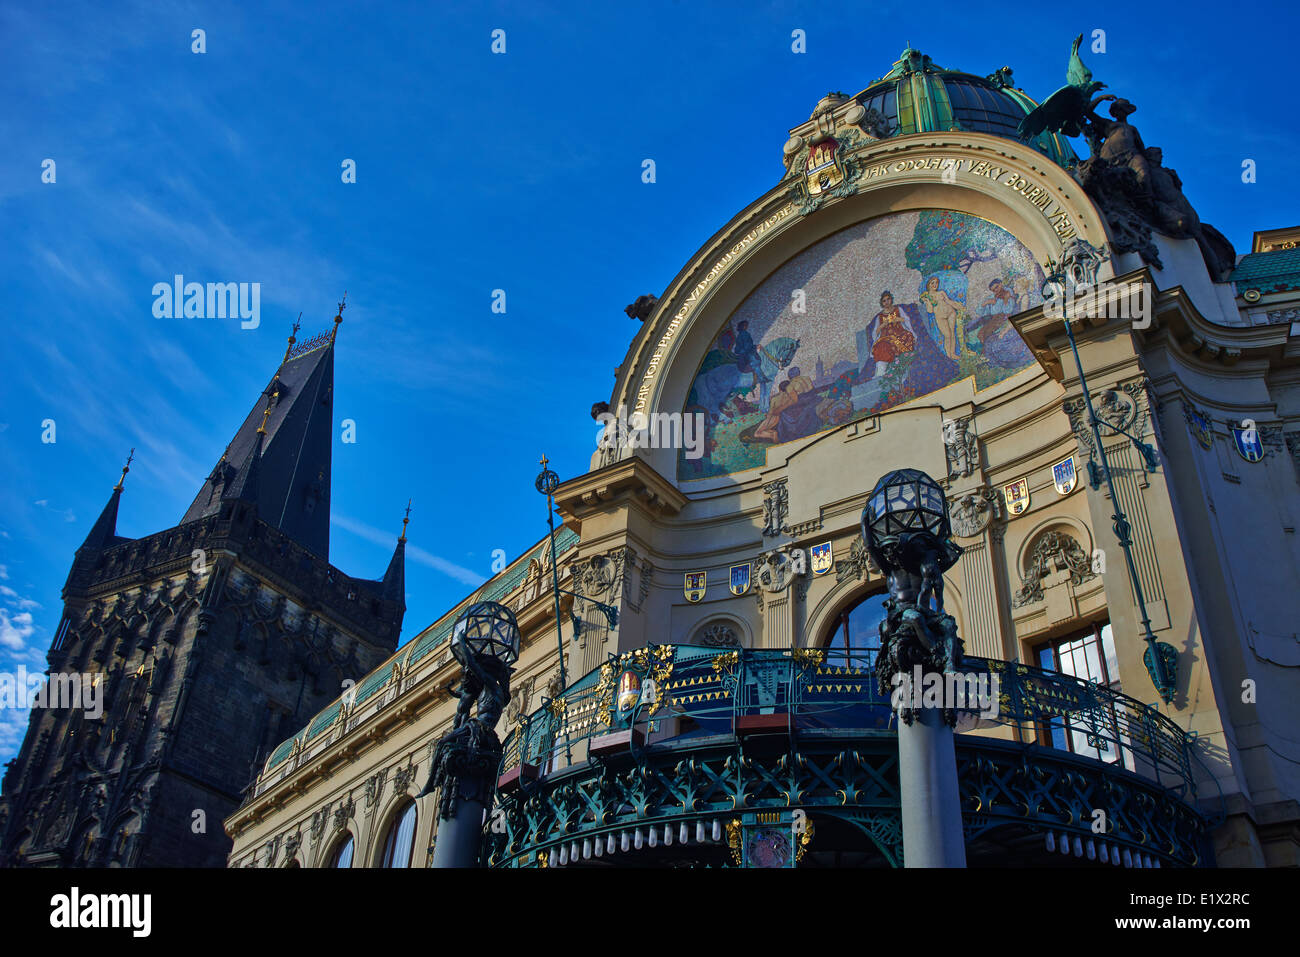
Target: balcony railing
x,y
690,692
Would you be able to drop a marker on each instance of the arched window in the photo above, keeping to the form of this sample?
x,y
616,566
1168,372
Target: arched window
x,y
856,631
400,840
342,856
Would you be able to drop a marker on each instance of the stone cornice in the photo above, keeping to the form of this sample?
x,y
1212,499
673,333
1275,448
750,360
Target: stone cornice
x,y
631,481
1226,345
1174,315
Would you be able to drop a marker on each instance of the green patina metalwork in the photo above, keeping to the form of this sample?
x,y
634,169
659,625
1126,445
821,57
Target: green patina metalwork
x,y
839,757
495,588
1274,271
373,682
322,721
918,96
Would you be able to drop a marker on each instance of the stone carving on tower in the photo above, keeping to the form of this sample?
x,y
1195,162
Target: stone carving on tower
x,y
642,308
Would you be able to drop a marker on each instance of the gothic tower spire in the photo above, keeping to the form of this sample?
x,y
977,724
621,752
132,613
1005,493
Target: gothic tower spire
x,y
104,531
286,441
394,581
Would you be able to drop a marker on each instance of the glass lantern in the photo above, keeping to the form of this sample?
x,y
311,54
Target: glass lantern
x,y
486,629
905,500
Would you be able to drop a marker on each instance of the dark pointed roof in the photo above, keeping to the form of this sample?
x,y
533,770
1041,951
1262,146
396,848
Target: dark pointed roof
x,y
392,587
104,532
394,581
292,478
244,486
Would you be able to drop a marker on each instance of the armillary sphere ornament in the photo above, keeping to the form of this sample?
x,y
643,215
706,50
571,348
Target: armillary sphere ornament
x,y
547,481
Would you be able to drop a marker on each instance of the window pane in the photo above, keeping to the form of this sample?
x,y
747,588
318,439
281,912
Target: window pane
x,y
343,856
864,630
1112,660
401,835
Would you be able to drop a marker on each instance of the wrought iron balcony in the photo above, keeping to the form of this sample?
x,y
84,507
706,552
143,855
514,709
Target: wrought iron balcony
x,y
705,734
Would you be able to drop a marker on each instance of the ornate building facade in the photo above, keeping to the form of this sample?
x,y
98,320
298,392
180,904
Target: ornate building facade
x,y
209,642
882,306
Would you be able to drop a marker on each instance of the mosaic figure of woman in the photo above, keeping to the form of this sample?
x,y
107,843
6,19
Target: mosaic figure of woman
x,y
946,314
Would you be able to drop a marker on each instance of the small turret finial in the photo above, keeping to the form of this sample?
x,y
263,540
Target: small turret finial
x,y
338,317
266,413
293,337
543,463
125,468
406,520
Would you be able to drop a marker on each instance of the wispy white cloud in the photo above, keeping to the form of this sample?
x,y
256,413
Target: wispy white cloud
x,y
379,537
17,599
67,513
13,725
15,630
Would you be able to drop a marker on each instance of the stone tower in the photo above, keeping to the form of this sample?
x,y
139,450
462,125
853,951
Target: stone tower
x,y
204,645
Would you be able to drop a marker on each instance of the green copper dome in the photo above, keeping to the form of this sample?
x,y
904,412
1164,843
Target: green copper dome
x,y
917,96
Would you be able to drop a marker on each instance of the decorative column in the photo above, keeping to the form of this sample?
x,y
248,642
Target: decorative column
x,y
906,529
485,641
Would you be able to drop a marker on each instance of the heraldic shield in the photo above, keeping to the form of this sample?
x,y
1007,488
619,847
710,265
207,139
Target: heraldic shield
x,y
1017,496
1065,476
1248,445
740,577
821,558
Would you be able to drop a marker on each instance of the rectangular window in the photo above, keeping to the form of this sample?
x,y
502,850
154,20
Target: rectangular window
x,y
1093,730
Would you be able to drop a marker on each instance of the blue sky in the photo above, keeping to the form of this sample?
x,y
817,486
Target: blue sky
x,y
475,172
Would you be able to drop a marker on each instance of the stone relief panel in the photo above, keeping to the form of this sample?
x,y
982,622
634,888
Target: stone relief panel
x,y
972,512
1055,556
1126,407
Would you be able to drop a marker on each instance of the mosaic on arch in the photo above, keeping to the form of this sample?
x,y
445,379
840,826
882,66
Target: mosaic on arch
x,y
873,316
